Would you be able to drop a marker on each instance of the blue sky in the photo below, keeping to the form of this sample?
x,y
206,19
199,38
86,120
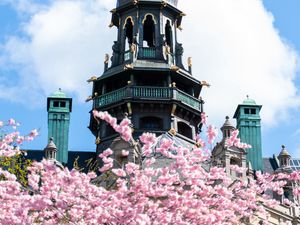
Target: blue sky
x,y
251,46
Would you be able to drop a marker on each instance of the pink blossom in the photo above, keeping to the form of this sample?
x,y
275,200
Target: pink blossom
x,y
34,133
119,172
180,192
11,122
211,134
203,118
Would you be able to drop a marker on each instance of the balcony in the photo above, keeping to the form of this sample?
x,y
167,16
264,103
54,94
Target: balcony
x,y
148,93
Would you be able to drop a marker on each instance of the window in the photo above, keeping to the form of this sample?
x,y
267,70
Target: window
x,y
56,104
153,123
247,111
149,31
129,30
168,33
185,130
253,111
63,104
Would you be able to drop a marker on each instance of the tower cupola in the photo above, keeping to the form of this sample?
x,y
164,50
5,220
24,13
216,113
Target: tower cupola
x,y
227,128
284,158
50,150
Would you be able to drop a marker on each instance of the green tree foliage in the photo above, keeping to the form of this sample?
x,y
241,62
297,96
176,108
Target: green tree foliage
x,y
16,165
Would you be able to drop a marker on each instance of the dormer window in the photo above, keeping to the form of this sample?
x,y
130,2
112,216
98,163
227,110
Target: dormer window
x,y
149,31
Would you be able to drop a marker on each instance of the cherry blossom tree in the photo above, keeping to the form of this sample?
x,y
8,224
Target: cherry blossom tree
x,y
183,193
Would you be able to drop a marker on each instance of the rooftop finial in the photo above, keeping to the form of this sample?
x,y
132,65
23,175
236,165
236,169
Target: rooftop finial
x,y
283,146
247,96
59,89
227,117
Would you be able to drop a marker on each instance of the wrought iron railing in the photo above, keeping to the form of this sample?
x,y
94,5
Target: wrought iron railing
x,y
187,99
127,55
142,92
152,92
110,97
147,52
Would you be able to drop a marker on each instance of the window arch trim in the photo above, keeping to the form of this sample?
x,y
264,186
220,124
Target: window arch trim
x,y
149,14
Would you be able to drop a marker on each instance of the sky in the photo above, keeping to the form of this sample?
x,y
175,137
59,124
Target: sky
x,y
244,47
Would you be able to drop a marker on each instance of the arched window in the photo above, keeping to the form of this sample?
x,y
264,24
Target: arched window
x,y
185,130
150,122
149,31
129,30
168,33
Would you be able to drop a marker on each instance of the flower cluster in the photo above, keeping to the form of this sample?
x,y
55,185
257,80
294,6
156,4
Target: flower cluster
x,y
233,140
184,192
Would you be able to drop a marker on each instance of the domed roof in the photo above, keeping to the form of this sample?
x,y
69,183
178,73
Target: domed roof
x,y
284,152
249,101
51,145
227,124
59,94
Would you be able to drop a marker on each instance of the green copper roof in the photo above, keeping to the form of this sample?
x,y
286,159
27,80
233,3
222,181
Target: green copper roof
x,y
59,94
249,101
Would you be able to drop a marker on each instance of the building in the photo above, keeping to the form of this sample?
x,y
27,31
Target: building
x,y
146,79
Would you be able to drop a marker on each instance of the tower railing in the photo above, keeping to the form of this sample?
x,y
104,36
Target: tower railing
x,y
110,97
145,92
187,99
127,55
147,52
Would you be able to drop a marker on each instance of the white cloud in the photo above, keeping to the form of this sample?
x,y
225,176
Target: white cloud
x,y
234,46
65,44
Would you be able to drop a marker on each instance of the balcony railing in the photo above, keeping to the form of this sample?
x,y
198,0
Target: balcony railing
x,y
152,92
187,99
142,92
110,97
127,55
147,53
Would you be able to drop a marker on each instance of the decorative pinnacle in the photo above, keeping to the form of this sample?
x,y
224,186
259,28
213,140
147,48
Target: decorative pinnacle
x,y
247,96
227,117
283,146
51,139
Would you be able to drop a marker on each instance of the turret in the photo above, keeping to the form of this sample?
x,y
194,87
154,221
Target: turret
x,y
50,150
59,108
248,124
146,79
